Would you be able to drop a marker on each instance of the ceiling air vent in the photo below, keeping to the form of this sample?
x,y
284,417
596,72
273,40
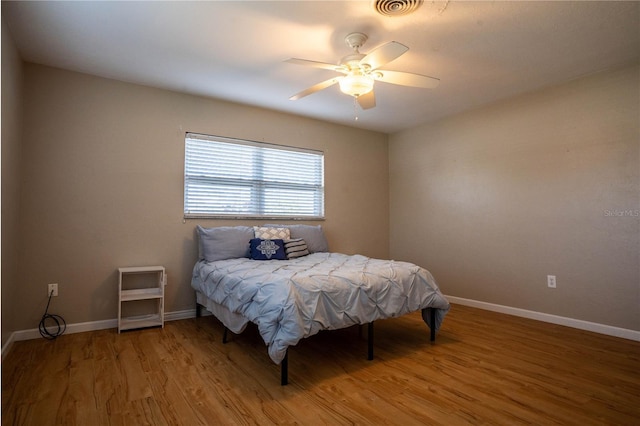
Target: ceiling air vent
x,y
396,7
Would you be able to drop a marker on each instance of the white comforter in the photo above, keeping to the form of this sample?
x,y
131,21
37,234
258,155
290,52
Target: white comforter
x,y
293,299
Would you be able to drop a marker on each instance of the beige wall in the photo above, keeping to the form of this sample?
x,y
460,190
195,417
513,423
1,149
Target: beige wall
x,y
11,149
103,186
494,200
491,201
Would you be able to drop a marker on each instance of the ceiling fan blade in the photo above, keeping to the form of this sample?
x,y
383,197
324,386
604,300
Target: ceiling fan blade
x,y
384,54
315,64
366,101
315,88
406,79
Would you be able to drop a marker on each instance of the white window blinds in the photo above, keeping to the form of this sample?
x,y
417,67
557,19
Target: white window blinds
x,y
233,178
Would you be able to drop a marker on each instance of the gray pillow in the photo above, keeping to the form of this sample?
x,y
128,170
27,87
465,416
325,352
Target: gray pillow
x,y
225,242
312,235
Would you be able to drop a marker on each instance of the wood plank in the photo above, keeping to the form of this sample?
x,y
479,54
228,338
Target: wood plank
x,y
136,385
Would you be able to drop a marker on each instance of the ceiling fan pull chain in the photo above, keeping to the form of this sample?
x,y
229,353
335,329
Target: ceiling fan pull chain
x,y
355,108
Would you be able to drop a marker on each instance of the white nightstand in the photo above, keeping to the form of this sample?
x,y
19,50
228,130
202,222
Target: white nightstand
x,y
132,288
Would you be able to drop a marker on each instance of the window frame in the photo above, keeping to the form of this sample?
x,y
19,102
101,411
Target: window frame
x,y
256,182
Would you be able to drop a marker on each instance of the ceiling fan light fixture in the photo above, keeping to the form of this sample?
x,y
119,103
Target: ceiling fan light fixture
x,y
356,84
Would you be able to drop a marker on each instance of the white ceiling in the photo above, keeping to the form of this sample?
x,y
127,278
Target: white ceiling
x,y
234,50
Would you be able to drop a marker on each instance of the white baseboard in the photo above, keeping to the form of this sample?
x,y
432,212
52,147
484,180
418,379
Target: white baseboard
x,y
7,346
178,315
191,313
34,333
81,327
553,319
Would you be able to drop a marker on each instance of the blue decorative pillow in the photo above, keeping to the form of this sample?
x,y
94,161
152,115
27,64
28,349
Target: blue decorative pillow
x,y
267,249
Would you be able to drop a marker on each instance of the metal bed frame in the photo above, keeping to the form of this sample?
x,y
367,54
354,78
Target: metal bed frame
x,y
284,365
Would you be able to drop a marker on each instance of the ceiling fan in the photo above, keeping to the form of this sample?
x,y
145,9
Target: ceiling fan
x,y
361,71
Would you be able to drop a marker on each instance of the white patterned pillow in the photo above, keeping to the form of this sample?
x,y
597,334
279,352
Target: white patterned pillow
x,y
269,233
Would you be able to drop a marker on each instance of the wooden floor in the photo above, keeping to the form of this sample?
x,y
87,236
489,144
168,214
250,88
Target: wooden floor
x,y
484,368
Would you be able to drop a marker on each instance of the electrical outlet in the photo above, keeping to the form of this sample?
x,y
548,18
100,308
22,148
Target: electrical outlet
x,y
551,281
52,288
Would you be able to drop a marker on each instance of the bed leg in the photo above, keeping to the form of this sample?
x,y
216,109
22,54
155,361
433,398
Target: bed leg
x,y
224,335
432,315
284,369
370,341
198,310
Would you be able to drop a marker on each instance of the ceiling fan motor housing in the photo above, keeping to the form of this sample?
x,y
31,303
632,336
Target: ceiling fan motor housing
x,y
352,61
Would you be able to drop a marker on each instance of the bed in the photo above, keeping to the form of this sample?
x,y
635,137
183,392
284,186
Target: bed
x,y
284,279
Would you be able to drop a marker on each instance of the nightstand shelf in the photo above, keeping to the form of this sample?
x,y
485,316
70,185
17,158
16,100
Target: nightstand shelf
x,y
135,285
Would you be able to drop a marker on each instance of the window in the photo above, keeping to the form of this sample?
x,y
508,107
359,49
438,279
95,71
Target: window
x,y
233,178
